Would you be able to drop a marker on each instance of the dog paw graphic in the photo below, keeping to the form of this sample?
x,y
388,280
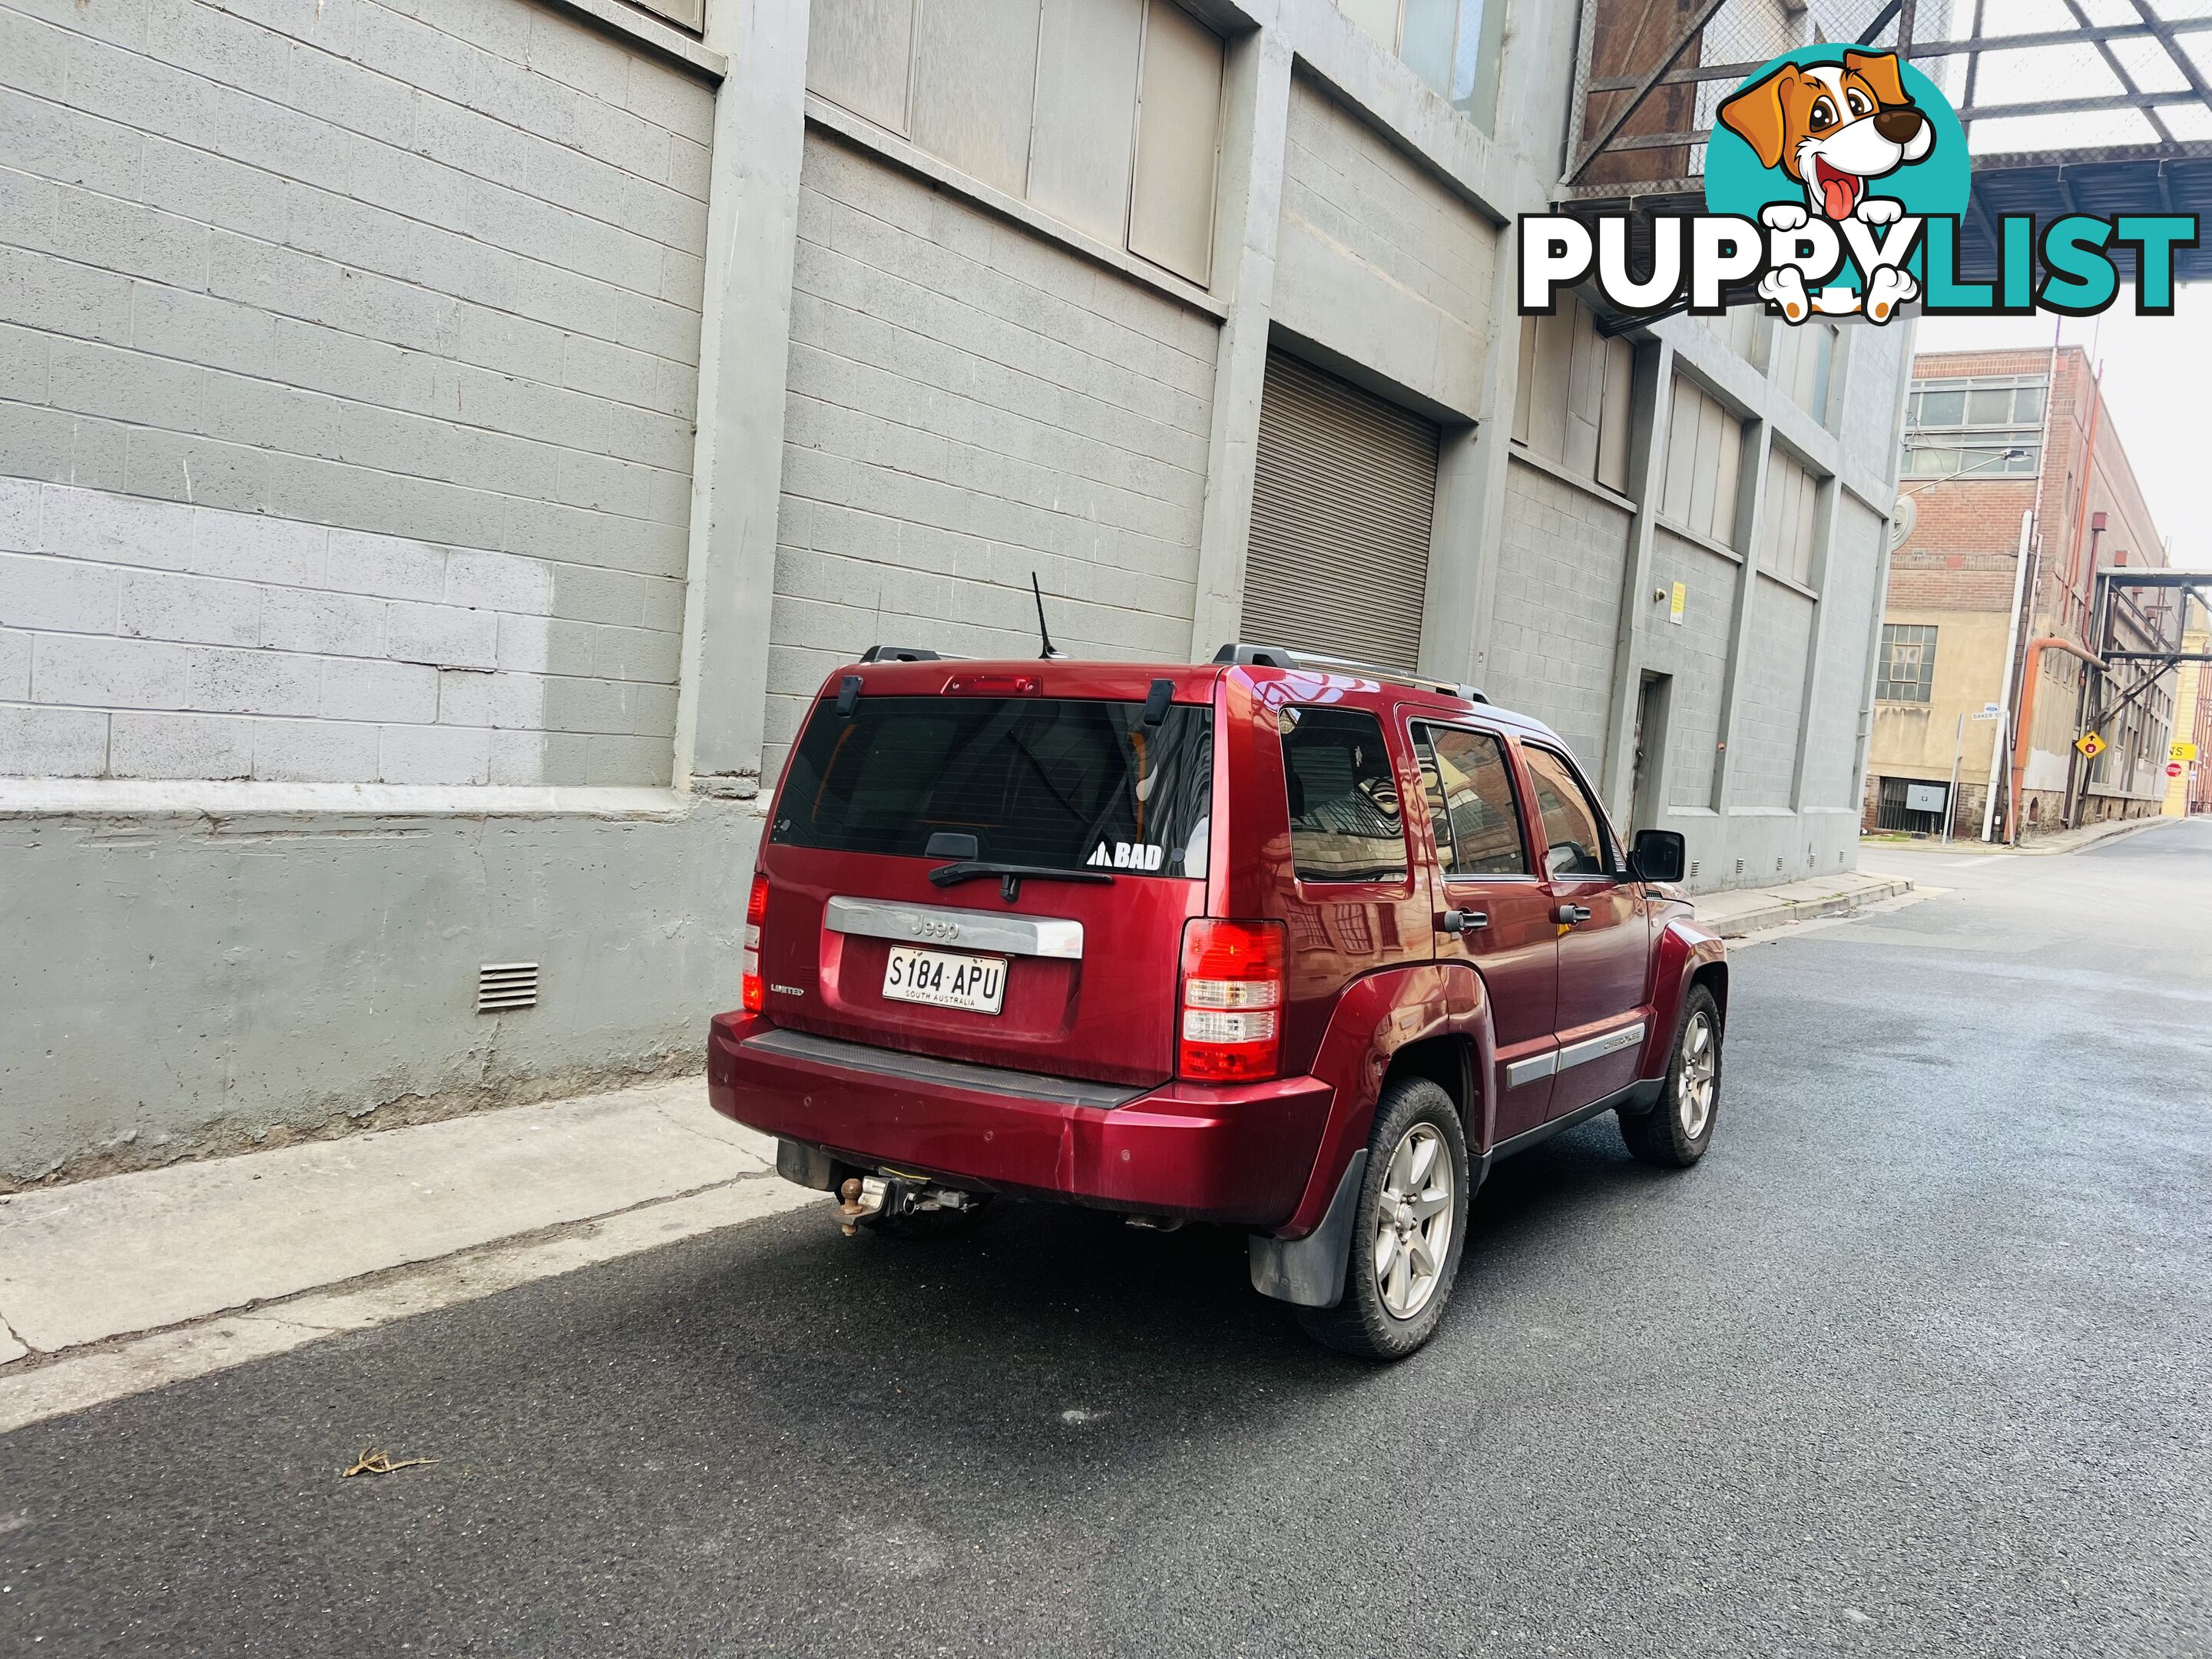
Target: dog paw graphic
x,y
1889,289
1783,215
1879,211
1784,286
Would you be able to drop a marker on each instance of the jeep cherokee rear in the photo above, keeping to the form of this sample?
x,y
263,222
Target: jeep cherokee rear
x,y
1164,941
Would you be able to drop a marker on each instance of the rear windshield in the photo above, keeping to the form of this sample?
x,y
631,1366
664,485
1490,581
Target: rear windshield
x,y
1059,783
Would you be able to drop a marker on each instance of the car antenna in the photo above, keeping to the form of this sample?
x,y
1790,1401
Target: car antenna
x,y
1043,633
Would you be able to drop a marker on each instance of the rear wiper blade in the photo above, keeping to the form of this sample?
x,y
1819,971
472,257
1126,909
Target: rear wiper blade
x,y
1010,876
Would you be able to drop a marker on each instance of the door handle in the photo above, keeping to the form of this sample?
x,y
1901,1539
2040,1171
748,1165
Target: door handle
x,y
1569,915
1461,921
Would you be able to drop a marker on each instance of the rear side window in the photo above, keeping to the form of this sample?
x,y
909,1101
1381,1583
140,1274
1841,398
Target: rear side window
x,y
1055,782
1571,825
1471,803
1345,821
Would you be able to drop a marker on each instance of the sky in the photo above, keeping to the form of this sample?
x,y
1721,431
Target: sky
x,y
2156,367
2156,372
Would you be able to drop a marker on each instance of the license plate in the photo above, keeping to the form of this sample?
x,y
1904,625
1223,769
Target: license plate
x,y
943,979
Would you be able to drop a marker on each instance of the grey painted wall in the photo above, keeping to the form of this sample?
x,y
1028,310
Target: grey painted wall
x,y
1767,736
1378,261
399,307
1694,651
969,404
1849,598
199,980
1561,560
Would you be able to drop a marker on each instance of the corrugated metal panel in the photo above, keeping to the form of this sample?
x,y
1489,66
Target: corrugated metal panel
x,y
1342,509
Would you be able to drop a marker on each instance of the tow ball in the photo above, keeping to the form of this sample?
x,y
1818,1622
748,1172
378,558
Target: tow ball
x,y
888,1197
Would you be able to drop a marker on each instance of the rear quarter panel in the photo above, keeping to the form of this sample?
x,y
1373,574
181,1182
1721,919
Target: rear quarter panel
x,y
1378,1015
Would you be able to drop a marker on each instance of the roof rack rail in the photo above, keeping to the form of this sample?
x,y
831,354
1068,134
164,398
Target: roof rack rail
x,y
1275,656
902,653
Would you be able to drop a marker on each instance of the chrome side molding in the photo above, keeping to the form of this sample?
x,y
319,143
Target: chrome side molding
x,y
1597,1048
1528,1070
1575,1053
959,930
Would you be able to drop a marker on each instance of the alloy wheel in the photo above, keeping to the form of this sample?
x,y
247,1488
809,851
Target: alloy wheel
x,y
1694,1085
1414,1221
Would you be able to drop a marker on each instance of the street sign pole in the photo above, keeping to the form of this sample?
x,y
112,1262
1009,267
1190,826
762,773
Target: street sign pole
x,y
1997,739
1958,754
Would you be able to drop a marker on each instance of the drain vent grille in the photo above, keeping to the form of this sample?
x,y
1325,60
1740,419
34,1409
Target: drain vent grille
x,y
502,986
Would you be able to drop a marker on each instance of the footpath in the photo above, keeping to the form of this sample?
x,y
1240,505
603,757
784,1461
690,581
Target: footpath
x,y
111,1287
2063,841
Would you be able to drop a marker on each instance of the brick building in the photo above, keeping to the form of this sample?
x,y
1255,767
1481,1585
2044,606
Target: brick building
x,y
1991,436
444,442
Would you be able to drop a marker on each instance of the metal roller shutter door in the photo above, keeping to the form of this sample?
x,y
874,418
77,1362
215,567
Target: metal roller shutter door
x,y
1342,506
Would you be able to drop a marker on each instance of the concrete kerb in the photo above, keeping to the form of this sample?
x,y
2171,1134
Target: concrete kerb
x,y
38,1387
1736,924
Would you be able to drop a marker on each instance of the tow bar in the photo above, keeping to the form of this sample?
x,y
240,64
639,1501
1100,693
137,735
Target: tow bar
x,y
888,1197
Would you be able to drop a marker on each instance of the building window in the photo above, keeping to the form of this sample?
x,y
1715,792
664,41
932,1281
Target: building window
x,y
1953,428
1453,44
1908,664
1705,463
1572,405
1790,527
1105,113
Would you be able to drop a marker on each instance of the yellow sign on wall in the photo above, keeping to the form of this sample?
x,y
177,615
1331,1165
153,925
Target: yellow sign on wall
x,y
2182,752
1678,601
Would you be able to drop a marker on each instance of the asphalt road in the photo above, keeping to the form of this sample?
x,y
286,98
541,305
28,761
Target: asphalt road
x,y
1917,1362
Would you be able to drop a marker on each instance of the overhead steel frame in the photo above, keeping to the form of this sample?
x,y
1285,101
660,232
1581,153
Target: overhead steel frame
x,y
2145,668
2168,175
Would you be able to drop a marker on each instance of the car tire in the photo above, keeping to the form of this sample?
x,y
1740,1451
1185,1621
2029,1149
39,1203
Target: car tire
x,y
1675,1132
1390,1306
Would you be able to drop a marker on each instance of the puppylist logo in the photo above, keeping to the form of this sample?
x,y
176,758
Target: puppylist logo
x,y
1835,182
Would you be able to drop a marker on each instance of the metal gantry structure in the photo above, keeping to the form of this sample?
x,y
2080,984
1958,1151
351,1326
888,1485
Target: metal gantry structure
x,y
2100,107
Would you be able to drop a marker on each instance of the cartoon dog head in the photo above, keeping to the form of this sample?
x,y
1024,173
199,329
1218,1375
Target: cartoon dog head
x,y
1833,127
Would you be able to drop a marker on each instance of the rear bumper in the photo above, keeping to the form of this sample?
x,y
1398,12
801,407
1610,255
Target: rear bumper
x,y
1240,1154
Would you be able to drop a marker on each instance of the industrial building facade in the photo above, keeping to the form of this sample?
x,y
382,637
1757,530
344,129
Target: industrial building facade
x,y
1984,667
443,443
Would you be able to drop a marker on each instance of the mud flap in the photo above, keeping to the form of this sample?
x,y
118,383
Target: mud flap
x,y
1309,1271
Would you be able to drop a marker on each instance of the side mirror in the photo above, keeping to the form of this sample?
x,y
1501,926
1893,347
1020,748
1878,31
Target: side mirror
x,y
1658,855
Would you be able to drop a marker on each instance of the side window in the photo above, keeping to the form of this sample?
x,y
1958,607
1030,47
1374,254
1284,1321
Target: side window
x,y
1572,824
1471,800
1346,824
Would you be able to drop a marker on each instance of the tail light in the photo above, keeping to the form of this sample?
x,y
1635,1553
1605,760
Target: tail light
x,y
1232,1001
756,913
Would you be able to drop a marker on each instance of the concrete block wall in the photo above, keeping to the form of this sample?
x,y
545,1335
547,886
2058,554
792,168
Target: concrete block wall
x,y
1377,259
1694,653
209,981
1848,602
1766,762
967,403
150,639
1872,368
399,304
1561,561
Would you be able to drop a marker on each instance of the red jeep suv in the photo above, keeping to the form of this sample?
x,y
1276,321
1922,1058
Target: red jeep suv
x,y
1281,943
